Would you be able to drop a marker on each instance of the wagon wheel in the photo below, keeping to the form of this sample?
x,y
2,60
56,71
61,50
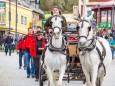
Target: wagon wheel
x,y
68,74
41,74
68,66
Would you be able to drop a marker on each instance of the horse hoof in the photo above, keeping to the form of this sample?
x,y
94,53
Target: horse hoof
x,y
59,83
51,85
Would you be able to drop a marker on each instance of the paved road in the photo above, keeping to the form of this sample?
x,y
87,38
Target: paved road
x,y
10,75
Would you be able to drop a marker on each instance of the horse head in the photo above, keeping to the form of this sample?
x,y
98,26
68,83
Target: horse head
x,y
84,30
56,23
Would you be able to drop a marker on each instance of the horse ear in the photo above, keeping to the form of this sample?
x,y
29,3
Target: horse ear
x,y
89,28
50,22
78,18
91,17
51,12
60,12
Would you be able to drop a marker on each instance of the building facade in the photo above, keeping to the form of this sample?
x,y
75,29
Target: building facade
x,y
103,10
93,3
27,16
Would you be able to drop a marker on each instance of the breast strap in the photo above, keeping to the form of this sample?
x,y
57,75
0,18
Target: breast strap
x,y
102,56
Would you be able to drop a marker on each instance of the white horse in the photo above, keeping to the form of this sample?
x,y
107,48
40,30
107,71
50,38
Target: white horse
x,y
91,57
54,58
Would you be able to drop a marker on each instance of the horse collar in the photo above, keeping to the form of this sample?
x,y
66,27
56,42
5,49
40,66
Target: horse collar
x,y
90,47
52,48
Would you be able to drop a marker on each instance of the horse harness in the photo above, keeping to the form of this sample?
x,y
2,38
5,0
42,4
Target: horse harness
x,y
102,56
62,49
50,23
91,46
84,20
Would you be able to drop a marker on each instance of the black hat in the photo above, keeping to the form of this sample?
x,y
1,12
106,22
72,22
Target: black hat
x,y
39,33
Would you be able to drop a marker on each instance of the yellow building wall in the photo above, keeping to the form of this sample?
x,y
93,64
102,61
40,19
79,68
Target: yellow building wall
x,y
22,11
40,23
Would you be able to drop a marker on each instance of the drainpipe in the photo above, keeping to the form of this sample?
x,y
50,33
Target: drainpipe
x,y
98,14
16,21
9,15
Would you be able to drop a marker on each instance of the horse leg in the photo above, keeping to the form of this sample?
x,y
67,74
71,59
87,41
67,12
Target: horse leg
x,y
61,74
94,71
101,78
87,75
55,74
50,76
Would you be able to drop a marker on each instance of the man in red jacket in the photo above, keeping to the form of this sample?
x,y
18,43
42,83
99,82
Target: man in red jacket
x,y
30,52
20,48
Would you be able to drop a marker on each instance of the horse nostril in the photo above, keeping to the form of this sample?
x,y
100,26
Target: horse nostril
x,y
79,43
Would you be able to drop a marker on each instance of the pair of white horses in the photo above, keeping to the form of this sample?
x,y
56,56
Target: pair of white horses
x,y
90,60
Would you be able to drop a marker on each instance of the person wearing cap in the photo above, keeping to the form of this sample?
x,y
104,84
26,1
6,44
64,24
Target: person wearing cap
x,y
55,11
38,28
40,45
8,43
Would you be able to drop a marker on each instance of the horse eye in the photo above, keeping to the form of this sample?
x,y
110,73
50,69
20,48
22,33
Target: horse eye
x,y
58,32
77,27
50,22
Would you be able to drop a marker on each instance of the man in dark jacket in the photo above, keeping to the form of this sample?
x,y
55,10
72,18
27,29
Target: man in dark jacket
x,y
55,11
8,43
40,45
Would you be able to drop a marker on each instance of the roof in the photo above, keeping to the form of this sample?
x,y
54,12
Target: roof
x,y
36,10
30,6
99,0
103,6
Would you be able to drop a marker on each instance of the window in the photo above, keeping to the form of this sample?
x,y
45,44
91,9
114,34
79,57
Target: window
x,y
103,16
3,16
22,20
88,13
25,20
109,15
0,17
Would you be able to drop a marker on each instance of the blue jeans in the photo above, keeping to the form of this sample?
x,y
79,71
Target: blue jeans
x,y
30,71
21,53
8,46
112,50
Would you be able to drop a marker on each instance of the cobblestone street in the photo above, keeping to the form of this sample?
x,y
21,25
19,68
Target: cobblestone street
x,y
10,75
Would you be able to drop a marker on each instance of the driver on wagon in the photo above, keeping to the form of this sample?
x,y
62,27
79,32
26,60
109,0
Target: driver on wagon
x,y
55,11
